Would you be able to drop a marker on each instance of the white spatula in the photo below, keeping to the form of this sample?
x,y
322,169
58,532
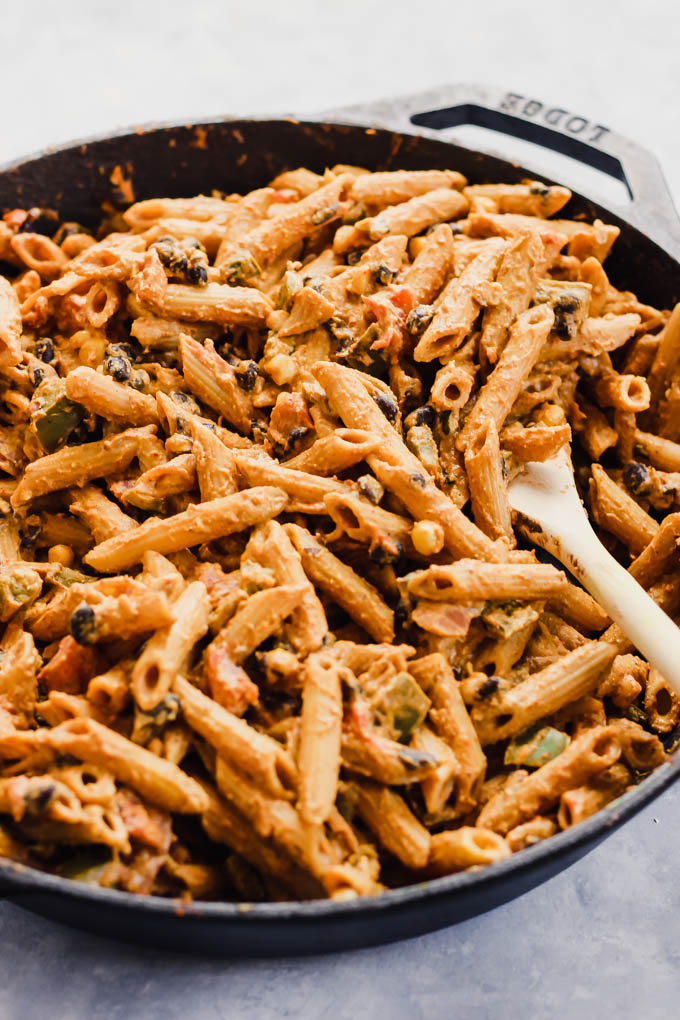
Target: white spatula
x,y
545,495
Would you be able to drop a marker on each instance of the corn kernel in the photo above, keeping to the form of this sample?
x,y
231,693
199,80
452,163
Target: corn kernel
x,y
550,414
60,554
416,245
92,348
282,369
427,537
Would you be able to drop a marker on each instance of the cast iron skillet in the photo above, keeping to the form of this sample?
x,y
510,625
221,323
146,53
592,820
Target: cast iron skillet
x,y
237,155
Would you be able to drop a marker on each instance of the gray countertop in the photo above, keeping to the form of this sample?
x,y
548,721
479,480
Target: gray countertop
x,y
600,937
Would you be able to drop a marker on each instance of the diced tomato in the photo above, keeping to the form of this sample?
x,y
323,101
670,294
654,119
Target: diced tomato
x,y
148,825
289,415
444,619
389,308
230,686
217,583
71,667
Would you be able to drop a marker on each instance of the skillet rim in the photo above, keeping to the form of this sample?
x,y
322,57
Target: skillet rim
x,y
18,881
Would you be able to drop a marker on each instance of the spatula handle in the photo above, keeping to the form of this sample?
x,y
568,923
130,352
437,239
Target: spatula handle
x,y
626,602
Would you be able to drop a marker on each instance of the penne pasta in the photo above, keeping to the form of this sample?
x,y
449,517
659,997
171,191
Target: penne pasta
x,y
261,616
201,523
79,464
161,782
392,187
397,829
320,737
102,395
617,512
10,325
452,722
484,466
464,848
570,677
459,306
257,560
502,388
347,588
165,653
588,755
336,452
467,580
411,217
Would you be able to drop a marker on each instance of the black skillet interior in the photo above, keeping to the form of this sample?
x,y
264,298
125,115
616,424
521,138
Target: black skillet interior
x,y
238,155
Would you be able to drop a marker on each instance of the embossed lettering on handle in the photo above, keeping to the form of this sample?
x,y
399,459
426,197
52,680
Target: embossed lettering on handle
x,y
553,116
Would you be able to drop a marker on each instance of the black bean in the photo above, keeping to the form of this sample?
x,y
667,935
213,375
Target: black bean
x,y
171,255
387,406
296,434
383,554
140,379
246,375
38,376
118,367
565,324
326,213
44,349
185,400
419,319
197,266
150,723
489,687
83,625
129,350
636,476
383,274
197,274
30,534
424,415
167,710
39,798
371,488
67,230
39,221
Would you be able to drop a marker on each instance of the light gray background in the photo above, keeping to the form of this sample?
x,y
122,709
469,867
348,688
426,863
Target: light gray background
x,y
601,938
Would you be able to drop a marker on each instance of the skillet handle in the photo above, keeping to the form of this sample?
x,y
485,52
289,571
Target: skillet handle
x,y
550,126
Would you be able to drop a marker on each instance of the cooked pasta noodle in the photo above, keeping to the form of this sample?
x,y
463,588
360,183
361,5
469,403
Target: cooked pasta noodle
x,y
257,560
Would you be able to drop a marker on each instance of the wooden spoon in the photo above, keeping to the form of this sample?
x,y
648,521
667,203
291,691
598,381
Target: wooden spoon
x,y
551,515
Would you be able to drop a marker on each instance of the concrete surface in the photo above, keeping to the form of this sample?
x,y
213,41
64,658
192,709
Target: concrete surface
x,y
601,938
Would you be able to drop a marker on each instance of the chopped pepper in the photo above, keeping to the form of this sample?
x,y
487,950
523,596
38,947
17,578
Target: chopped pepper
x,y
535,747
